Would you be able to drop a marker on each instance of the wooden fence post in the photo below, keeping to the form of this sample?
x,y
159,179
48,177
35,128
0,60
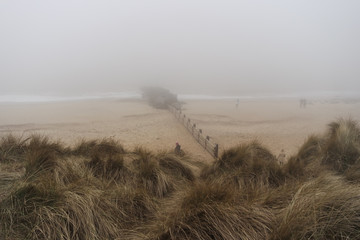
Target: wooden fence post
x,y
216,150
206,144
206,141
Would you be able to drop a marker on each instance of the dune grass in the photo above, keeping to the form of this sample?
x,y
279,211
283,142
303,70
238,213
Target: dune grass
x,y
97,189
85,192
12,148
210,211
342,145
323,208
251,168
307,161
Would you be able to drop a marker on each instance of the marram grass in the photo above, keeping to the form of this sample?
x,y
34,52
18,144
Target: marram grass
x,y
97,189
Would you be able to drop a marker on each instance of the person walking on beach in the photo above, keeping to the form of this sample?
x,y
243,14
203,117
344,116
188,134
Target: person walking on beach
x,y
281,157
303,103
237,103
177,148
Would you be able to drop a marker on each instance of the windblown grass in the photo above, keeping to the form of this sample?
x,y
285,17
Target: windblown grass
x,y
307,161
99,190
342,147
211,212
104,147
352,174
248,166
88,192
174,166
324,208
12,148
150,177
44,210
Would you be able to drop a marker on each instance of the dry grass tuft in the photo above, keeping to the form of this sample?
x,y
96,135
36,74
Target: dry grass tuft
x,y
150,177
42,155
88,192
136,205
342,148
210,212
39,161
294,168
110,168
246,166
352,174
311,150
39,142
324,208
12,148
244,155
72,205
105,147
171,164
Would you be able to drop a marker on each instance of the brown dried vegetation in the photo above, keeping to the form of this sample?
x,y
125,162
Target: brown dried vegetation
x,y
99,190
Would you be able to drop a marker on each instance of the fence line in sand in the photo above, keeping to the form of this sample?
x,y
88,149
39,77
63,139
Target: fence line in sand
x,y
204,141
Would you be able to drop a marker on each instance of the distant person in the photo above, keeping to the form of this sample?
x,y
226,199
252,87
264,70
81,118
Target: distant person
x,y
177,149
237,103
303,103
281,157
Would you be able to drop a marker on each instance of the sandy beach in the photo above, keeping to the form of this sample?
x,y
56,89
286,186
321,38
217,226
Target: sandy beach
x,y
276,123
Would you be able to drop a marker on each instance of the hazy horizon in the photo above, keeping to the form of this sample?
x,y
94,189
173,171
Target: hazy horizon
x,y
191,47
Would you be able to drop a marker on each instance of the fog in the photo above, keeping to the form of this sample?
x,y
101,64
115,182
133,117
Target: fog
x,y
190,47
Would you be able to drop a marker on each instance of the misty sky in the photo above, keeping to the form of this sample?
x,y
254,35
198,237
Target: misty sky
x,y
228,47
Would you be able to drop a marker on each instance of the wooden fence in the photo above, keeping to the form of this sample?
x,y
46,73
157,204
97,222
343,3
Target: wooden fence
x,y
205,141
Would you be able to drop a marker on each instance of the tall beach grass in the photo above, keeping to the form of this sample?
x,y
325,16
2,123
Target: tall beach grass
x,y
97,189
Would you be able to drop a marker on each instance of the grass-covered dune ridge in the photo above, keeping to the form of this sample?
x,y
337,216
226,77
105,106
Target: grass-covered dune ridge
x,y
97,189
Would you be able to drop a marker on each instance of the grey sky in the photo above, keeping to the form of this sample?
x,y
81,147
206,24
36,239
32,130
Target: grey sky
x,y
189,46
